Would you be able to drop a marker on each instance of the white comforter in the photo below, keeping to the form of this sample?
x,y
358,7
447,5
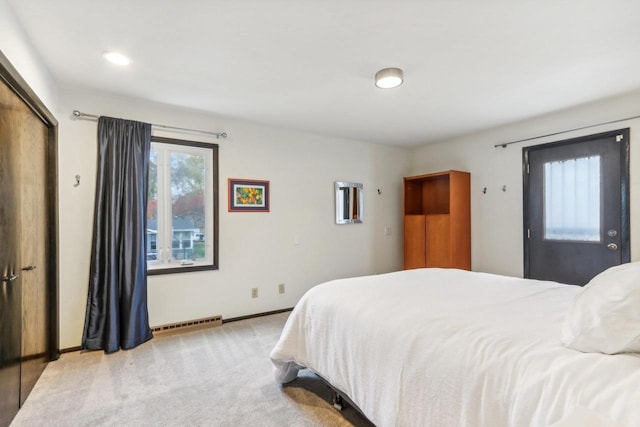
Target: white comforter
x,y
436,347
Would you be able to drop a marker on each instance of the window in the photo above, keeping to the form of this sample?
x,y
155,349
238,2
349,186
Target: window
x,y
182,206
572,199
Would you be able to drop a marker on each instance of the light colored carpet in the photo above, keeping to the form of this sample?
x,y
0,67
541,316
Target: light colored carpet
x,y
214,377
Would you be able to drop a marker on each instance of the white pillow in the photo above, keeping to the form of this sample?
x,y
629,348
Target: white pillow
x,y
605,316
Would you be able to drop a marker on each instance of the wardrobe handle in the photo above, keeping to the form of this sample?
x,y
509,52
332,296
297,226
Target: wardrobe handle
x,y
29,268
10,278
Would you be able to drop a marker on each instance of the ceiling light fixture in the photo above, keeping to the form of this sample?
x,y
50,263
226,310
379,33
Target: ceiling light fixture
x,y
116,58
388,78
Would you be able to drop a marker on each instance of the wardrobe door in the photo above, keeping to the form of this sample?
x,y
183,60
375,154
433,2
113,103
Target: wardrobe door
x,y
10,286
414,241
33,136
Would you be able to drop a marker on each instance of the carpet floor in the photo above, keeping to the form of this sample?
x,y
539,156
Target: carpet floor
x,y
219,376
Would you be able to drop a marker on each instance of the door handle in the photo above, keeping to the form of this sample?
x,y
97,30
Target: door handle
x,y
10,278
612,246
29,268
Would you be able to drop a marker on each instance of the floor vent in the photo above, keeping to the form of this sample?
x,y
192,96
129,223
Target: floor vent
x,y
188,326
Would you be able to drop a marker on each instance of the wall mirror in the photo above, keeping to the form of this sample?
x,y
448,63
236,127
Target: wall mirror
x,y
349,202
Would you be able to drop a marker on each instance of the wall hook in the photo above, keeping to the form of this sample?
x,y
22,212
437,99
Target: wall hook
x,y
77,181
379,192
504,188
484,190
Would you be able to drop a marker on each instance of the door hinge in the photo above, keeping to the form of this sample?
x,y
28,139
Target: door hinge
x,y
527,168
528,233
619,138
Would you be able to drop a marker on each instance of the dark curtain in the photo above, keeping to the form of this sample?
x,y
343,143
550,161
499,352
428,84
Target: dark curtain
x,y
117,315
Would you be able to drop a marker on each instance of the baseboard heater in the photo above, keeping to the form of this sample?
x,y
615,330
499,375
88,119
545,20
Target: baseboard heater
x,y
188,326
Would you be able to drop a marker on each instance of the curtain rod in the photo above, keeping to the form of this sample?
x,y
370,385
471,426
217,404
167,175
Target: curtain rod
x,y
504,145
218,135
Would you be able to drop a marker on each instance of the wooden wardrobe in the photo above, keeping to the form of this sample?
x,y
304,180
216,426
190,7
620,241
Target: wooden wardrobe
x,y
28,240
437,220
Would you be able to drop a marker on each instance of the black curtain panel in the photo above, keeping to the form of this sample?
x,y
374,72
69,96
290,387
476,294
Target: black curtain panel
x,y
117,315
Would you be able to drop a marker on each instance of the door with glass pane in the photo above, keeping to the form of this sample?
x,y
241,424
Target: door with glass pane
x,y
576,207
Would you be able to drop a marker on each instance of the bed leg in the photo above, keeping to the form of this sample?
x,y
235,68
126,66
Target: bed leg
x,y
337,401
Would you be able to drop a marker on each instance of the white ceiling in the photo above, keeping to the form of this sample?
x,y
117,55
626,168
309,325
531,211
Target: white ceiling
x,y
309,65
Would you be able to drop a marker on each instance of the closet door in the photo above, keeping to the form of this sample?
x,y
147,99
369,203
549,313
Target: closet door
x,y
10,287
28,256
414,241
33,135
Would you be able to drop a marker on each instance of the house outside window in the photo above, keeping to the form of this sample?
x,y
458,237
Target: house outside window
x,y
182,211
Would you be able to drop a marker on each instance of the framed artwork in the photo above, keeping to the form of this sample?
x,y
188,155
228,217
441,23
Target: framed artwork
x,y
248,195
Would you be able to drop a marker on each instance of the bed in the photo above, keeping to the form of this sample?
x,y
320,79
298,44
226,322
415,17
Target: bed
x,y
446,347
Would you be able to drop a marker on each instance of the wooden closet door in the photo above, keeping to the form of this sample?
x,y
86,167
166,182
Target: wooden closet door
x,y
10,285
414,241
438,241
33,135
28,239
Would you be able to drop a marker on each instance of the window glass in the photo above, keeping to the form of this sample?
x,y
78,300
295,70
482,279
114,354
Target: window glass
x,y
572,199
152,208
188,175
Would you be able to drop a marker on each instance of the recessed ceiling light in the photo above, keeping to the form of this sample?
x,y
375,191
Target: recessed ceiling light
x,y
388,78
116,58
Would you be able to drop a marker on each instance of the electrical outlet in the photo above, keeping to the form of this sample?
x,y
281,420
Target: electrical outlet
x,y
281,288
254,292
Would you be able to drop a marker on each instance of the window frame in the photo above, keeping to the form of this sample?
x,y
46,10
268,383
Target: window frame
x,y
214,265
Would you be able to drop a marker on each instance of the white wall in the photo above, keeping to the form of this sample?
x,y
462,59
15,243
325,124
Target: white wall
x,y
497,217
16,46
256,249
